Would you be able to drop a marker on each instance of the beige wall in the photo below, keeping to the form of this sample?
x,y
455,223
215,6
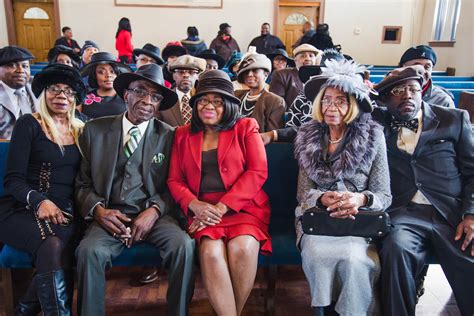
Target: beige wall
x,y
97,20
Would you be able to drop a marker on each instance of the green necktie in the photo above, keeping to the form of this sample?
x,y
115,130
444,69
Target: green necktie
x,y
132,143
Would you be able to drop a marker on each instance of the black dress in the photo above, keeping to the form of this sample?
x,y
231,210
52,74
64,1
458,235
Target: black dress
x,y
97,106
36,170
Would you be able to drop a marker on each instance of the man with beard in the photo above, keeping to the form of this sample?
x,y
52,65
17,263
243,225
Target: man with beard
x,y
185,70
286,82
16,97
266,43
430,155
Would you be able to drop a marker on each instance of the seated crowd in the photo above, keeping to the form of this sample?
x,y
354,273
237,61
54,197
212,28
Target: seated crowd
x,y
174,155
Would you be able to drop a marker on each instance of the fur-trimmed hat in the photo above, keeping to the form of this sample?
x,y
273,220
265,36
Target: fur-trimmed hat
x,y
344,75
253,61
58,73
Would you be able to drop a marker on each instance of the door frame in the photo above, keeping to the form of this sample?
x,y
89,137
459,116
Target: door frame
x,y
296,3
10,17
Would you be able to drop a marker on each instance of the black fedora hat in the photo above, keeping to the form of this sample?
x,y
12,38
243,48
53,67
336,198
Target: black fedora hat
x,y
154,75
211,54
306,72
103,58
173,49
281,52
9,54
214,81
58,73
151,51
61,49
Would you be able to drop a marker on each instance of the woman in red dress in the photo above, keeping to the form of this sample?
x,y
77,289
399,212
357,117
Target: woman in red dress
x,y
217,170
123,41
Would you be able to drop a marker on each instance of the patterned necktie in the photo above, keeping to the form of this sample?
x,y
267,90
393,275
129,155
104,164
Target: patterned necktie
x,y
186,110
23,104
133,141
395,125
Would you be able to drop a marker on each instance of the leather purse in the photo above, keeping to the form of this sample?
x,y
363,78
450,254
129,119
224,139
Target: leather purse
x,y
368,224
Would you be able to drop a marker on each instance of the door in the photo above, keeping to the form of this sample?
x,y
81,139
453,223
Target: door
x,y
34,26
291,20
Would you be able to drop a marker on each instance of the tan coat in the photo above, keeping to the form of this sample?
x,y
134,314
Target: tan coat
x,y
269,110
287,84
173,115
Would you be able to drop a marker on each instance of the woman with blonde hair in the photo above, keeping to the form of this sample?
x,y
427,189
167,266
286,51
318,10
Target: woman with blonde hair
x,y
36,214
343,167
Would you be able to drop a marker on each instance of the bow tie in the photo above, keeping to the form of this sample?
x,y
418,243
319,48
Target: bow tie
x,y
395,125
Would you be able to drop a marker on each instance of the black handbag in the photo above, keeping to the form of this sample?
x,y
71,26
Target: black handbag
x,y
368,224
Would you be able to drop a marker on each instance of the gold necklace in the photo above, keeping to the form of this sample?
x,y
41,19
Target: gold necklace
x,y
335,141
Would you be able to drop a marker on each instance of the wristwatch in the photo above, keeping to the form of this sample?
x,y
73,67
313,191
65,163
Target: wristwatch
x,y
370,199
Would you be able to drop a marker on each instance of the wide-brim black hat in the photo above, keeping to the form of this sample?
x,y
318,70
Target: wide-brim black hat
x,y
151,51
61,49
58,73
10,54
306,72
173,50
154,75
211,54
103,58
214,81
316,83
281,52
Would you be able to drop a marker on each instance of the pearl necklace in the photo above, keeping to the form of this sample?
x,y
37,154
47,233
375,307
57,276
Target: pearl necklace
x,y
335,141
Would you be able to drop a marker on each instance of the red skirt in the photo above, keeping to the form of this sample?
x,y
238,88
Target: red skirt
x,y
234,224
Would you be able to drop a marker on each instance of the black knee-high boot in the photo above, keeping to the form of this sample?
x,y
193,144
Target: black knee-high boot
x,y
54,293
29,305
318,311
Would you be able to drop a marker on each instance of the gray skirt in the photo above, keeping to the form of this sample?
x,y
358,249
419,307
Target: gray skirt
x,y
344,270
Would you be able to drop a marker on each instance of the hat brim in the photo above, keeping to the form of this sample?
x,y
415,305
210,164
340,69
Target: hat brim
x,y
306,72
240,73
289,61
138,51
55,52
173,51
123,81
219,59
66,76
382,87
216,91
314,86
87,69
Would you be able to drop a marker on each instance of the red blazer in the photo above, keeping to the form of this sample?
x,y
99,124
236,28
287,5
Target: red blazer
x,y
123,43
242,164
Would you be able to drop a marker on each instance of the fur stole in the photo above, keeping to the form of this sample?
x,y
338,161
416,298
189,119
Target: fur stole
x,y
358,153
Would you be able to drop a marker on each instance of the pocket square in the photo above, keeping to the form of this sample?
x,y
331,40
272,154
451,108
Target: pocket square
x,y
158,158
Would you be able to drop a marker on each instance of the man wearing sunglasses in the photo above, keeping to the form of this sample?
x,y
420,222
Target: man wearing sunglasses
x,y
430,155
121,185
16,97
185,70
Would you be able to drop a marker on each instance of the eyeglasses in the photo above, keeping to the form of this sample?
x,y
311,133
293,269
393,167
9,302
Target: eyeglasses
x,y
206,101
186,71
398,91
338,103
142,94
146,60
69,93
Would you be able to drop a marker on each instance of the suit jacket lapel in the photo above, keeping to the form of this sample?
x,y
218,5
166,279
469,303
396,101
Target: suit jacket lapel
x,y
150,145
430,123
195,144
225,141
6,102
110,151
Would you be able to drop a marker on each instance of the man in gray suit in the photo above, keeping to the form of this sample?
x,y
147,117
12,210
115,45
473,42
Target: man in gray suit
x,y
122,186
16,97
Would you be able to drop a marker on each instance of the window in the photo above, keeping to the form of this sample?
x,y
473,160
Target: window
x,y
296,19
446,20
36,13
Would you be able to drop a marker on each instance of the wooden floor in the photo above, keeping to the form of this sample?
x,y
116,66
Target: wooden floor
x,y
292,297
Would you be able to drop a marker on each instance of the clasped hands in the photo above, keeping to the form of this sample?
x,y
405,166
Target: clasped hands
x,y
49,212
114,222
343,204
205,214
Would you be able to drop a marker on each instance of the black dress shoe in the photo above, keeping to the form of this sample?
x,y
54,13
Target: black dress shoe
x,y
149,277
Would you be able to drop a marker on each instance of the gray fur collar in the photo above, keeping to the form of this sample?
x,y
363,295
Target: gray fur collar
x,y
359,151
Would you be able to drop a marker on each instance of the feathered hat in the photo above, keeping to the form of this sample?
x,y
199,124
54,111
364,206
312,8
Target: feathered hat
x,y
345,75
